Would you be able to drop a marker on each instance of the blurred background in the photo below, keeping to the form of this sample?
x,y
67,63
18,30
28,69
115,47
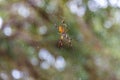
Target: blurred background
x,y
29,40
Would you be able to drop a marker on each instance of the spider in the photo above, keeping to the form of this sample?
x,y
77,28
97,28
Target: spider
x,y
64,38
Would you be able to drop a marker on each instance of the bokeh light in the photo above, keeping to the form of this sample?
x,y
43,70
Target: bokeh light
x,y
1,22
29,40
16,74
60,63
7,30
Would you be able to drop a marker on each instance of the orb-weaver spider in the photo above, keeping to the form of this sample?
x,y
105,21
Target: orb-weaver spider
x,y
64,38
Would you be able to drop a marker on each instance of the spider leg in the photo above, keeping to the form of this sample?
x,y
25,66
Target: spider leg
x,y
60,43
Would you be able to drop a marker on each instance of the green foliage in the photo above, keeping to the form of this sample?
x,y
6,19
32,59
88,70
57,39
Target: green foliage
x,y
29,40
